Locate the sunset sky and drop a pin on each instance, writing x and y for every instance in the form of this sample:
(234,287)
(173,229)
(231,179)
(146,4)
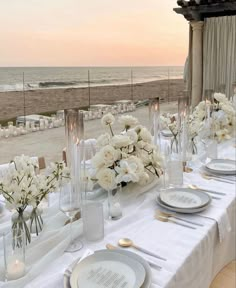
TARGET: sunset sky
(91,33)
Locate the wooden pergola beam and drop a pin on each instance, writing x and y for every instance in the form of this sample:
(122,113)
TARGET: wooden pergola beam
(199,12)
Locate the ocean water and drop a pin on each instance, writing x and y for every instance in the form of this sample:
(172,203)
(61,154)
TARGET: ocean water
(11,78)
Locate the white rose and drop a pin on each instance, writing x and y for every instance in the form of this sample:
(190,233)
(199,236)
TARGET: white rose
(145,135)
(103,140)
(109,155)
(120,141)
(132,135)
(106,178)
(97,160)
(220,97)
(202,106)
(228,109)
(128,121)
(108,119)
(105,157)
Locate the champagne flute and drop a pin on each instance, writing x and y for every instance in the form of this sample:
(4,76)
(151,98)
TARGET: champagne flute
(69,204)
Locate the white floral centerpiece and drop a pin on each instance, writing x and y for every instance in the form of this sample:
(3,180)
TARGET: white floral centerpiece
(22,187)
(222,116)
(129,157)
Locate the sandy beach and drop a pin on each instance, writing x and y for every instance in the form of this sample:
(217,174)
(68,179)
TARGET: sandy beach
(46,100)
(50,143)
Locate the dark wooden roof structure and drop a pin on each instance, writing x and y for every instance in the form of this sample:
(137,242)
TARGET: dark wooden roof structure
(198,10)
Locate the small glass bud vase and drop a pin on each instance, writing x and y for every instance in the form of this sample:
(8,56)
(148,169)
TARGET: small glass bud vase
(114,205)
(19,223)
(36,221)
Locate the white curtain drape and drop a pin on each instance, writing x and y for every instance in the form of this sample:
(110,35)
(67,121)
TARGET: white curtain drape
(219,54)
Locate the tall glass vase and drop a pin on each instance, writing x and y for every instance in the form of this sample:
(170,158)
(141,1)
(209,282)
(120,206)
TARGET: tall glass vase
(154,118)
(36,221)
(19,225)
(74,129)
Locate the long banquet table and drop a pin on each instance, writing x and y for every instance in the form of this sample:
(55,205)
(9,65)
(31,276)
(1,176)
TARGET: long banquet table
(194,257)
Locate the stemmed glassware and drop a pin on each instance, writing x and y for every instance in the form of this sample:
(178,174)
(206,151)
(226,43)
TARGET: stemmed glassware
(183,127)
(69,204)
(70,195)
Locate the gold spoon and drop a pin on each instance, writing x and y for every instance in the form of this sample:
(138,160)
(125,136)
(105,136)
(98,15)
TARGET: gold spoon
(195,187)
(167,219)
(126,242)
(165,214)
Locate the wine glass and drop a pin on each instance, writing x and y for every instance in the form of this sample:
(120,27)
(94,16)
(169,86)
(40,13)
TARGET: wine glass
(69,204)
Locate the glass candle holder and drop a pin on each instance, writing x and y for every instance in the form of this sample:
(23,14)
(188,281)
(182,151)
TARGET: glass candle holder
(114,203)
(154,118)
(14,255)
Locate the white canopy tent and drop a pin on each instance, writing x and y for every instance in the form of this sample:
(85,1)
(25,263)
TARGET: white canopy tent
(212,46)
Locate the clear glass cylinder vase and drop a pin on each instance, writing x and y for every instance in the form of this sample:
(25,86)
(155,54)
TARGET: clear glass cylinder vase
(19,223)
(36,221)
(114,203)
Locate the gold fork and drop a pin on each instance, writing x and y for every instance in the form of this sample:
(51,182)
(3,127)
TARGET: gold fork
(167,219)
(165,214)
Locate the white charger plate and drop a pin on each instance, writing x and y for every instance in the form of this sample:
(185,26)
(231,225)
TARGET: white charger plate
(101,267)
(181,210)
(148,279)
(185,198)
(221,166)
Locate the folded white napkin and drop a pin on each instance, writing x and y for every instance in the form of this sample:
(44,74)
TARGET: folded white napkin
(214,212)
(222,220)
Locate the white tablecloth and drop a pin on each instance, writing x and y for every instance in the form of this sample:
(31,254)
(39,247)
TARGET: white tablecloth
(194,257)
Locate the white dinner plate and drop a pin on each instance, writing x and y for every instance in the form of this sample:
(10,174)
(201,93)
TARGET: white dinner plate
(181,210)
(148,278)
(222,166)
(185,198)
(104,269)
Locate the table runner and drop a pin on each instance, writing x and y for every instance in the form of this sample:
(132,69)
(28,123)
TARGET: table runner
(194,256)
